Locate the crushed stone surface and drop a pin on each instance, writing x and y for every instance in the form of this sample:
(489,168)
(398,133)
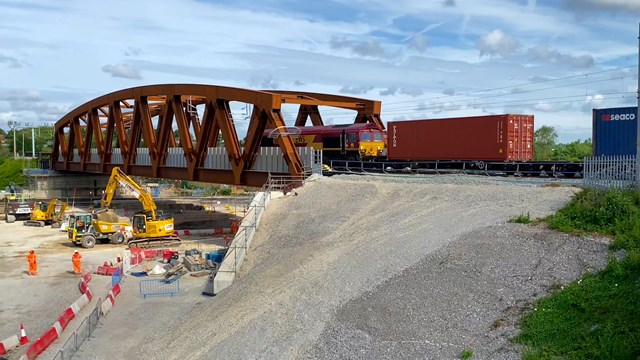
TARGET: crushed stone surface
(368,267)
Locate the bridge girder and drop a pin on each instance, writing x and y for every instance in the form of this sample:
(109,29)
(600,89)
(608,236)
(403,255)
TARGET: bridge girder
(145,117)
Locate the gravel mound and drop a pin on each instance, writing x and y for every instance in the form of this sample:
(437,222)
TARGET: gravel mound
(318,255)
(469,294)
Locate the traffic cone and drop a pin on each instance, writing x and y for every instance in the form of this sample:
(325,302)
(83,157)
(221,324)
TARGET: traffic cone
(23,336)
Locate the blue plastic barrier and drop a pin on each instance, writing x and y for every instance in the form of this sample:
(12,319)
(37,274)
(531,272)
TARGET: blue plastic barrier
(159,287)
(116,277)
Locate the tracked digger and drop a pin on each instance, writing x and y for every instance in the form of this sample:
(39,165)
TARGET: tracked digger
(150,226)
(45,214)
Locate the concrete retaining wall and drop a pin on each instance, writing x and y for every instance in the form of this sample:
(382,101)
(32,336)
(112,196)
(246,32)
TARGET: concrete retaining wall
(241,242)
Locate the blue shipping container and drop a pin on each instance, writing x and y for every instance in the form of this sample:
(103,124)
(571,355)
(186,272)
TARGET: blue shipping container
(615,131)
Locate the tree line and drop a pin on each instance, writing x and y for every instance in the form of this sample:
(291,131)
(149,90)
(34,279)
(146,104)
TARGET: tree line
(547,148)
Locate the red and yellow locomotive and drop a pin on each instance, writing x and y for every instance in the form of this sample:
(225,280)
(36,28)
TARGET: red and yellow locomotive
(347,142)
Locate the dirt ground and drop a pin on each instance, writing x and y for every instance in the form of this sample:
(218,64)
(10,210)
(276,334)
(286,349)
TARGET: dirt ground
(38,301)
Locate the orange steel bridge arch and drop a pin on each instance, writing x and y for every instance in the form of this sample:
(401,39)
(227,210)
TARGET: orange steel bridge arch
(144,117)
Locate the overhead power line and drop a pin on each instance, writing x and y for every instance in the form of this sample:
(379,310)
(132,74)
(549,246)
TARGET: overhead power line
(449,99)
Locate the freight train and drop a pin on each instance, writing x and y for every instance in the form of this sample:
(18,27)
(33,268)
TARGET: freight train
(492,144)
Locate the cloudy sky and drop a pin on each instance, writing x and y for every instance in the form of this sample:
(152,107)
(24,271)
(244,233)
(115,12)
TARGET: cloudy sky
(556,59)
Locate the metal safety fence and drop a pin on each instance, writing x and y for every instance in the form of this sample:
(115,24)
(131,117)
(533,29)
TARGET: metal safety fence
(610,172)
(159,287)
(83,333)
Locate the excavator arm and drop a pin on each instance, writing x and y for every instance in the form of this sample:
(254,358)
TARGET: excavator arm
(120,178)
(63,208)
(51,208)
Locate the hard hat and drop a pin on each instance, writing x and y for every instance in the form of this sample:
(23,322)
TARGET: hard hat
(76,251)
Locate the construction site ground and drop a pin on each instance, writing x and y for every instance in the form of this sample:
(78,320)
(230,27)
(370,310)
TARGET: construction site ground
(38,301)
(362,268)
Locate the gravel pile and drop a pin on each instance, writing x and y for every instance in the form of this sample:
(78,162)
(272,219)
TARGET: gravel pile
(347,241)
(469,294)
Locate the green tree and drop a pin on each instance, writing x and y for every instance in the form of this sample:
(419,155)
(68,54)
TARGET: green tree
(574,151)
(43,140)
(544,142)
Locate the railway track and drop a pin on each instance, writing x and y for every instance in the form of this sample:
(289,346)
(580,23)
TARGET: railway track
(556,170)
(493,179)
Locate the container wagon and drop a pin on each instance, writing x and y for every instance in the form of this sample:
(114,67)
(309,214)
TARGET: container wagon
(486,138)
(494,144)
(615,131)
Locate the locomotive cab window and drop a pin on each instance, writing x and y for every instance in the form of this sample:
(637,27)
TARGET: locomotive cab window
(365,136)
(377,136)
(352,138)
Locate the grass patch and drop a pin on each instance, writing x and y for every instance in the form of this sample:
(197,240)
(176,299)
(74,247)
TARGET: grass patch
(614,213)
(466,354)
(521,219)
(11,171)
(597,316)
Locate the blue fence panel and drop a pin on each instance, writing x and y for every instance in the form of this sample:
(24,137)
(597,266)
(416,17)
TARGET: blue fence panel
(116,277)
(159,287)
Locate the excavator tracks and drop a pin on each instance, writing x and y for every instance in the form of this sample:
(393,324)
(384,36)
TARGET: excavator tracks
(34,223)
(148,243)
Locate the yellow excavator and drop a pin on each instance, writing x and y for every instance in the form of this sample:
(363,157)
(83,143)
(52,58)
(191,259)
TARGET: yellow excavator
(149,225)
(45,214)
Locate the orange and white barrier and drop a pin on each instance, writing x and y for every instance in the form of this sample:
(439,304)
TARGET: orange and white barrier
(110,301)
(51,335)
(9,343)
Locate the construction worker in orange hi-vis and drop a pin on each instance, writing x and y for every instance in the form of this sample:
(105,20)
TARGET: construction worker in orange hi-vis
(33,265)
(76,259)
(234,227)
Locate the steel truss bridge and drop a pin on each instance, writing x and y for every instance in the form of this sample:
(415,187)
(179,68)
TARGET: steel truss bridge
(136,129)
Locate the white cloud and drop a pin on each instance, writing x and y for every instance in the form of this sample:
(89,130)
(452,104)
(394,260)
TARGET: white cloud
(369,47)
(264,83)
(551,107)
(411,91)
(592,102)
(546,53)
(122,70)
(12,62)
(419,42)
(449,3)
(497,43)
(355,90)
(604,5)
(132,51)
(389,91)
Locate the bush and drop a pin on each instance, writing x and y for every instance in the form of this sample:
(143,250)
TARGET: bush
(614,213)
